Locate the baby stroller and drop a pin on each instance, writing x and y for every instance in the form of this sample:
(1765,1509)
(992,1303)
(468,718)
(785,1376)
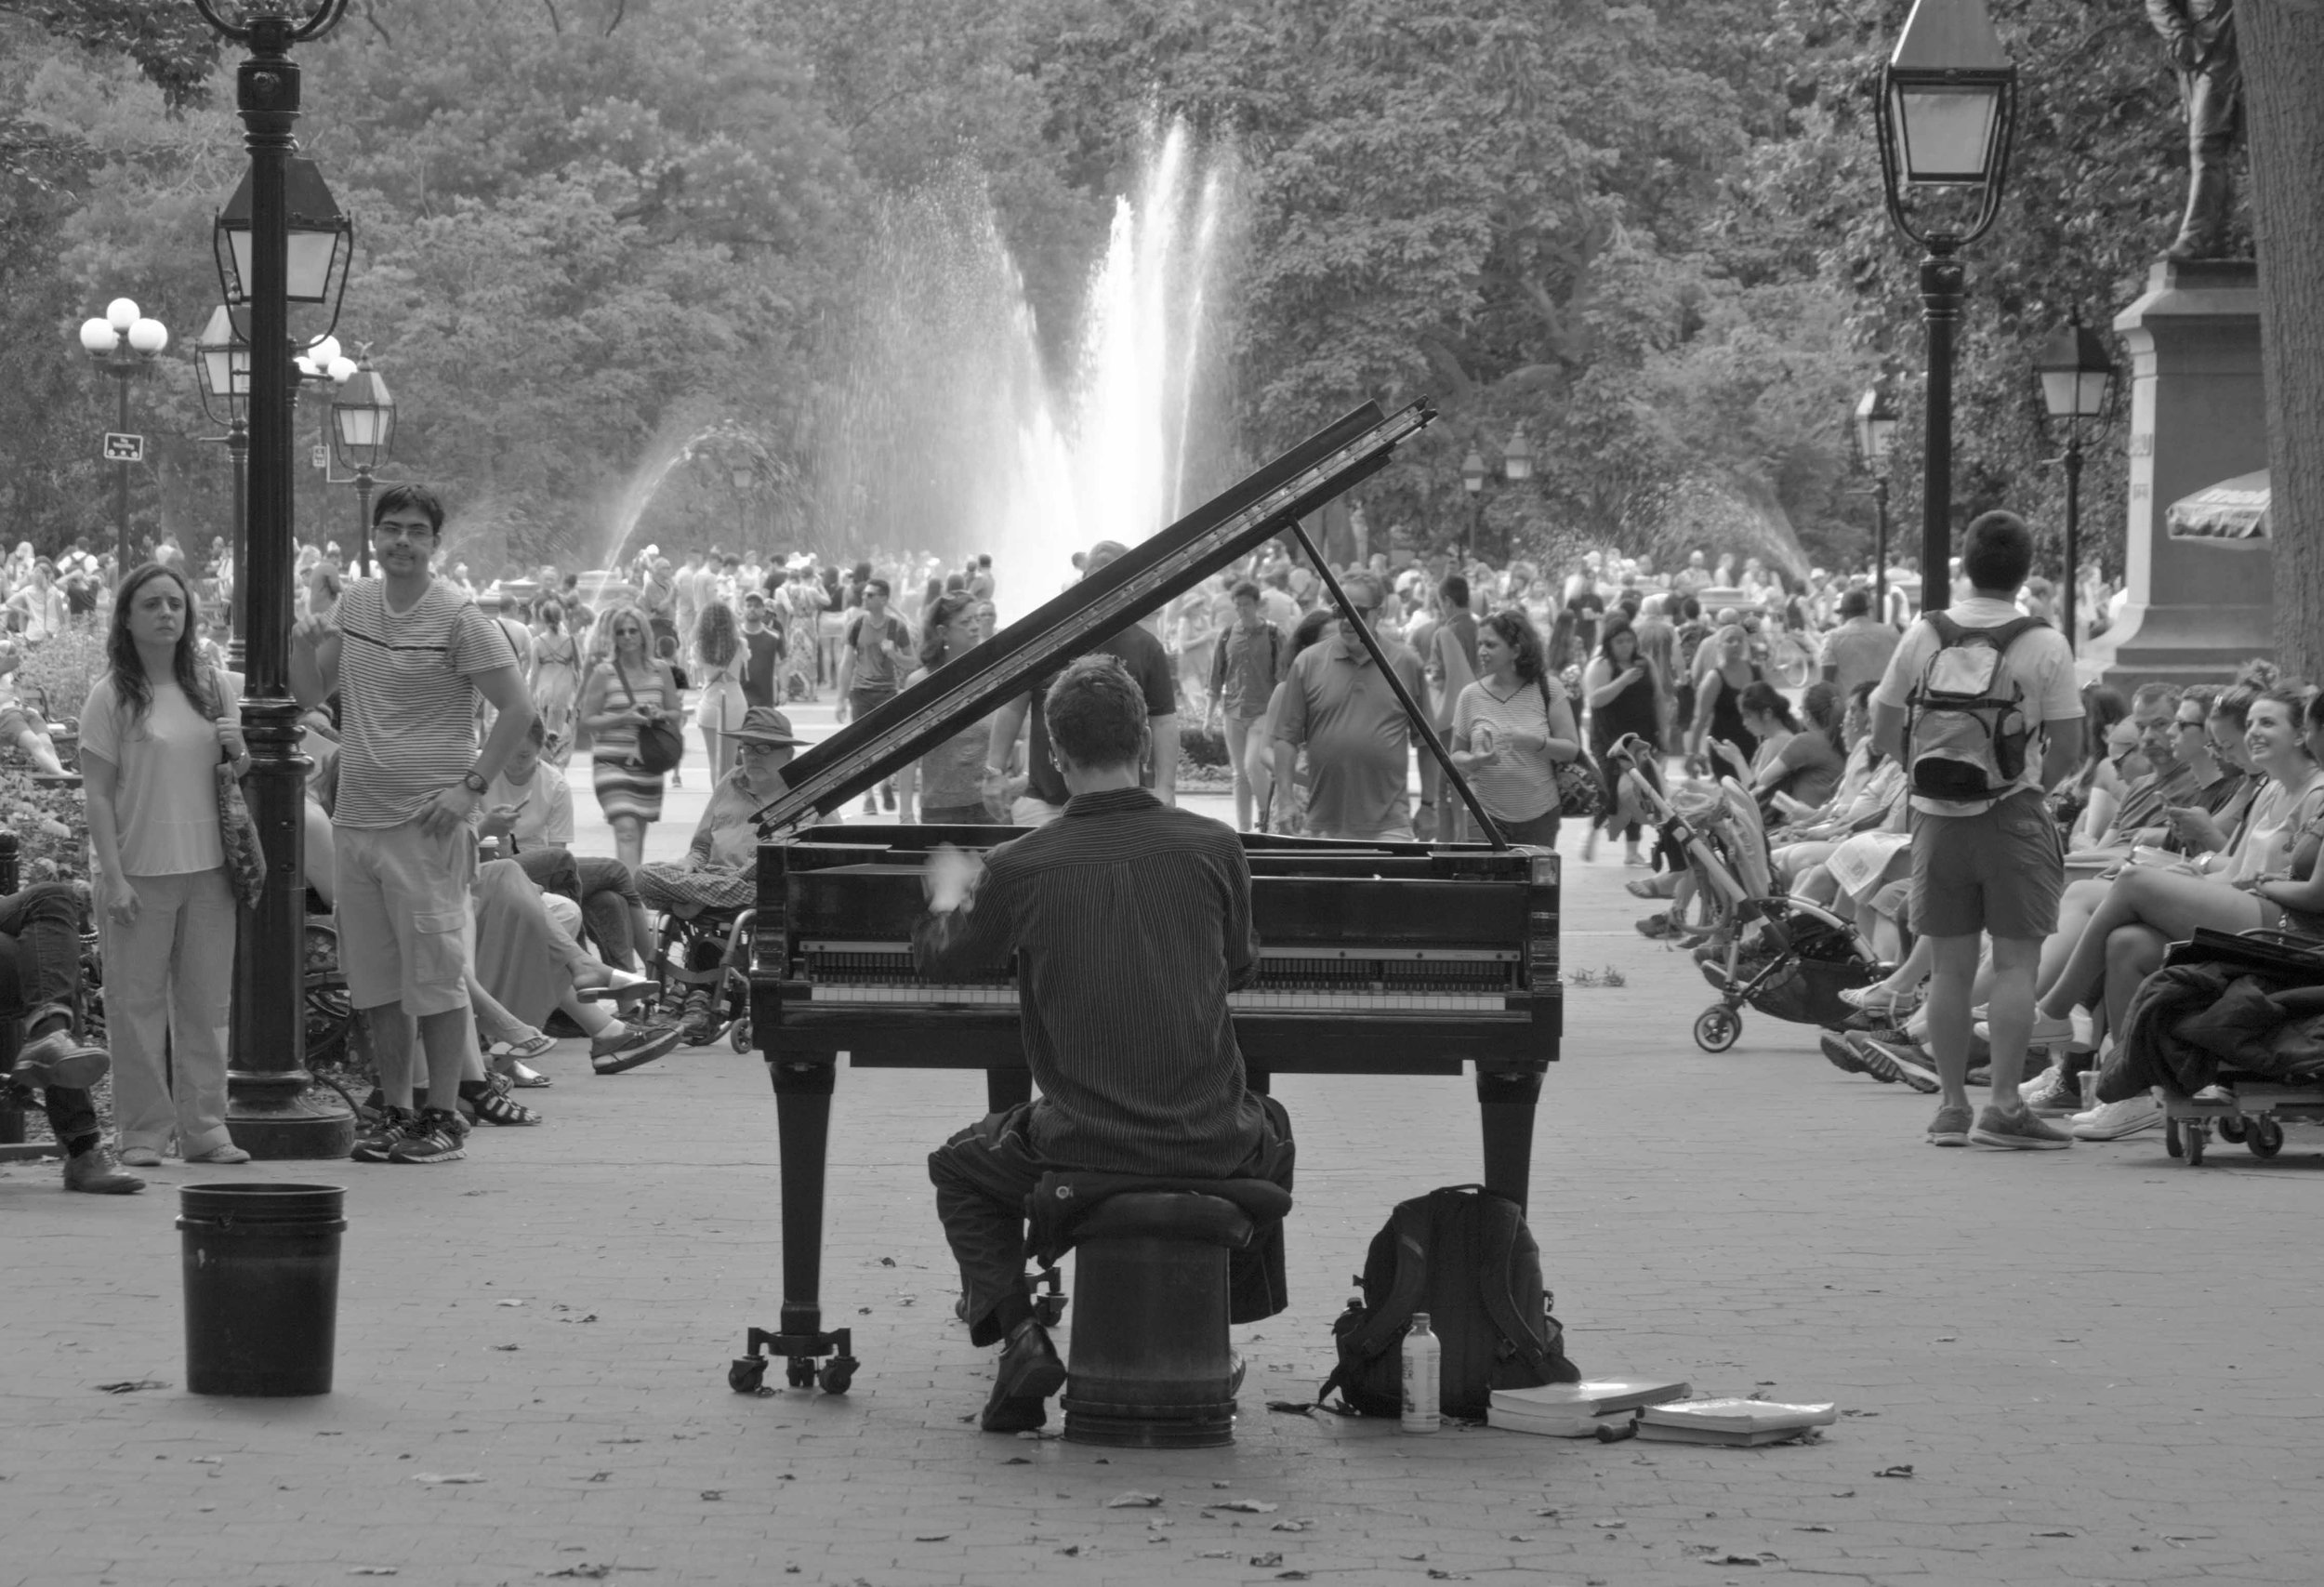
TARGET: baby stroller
(1789,959)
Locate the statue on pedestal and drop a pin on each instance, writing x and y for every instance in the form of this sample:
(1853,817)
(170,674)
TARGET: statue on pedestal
(2201,37)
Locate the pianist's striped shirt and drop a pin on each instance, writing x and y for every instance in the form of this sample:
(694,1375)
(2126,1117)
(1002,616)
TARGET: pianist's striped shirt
(1127,922)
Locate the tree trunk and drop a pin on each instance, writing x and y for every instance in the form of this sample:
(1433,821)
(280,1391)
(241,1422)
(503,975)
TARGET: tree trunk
(2282,47)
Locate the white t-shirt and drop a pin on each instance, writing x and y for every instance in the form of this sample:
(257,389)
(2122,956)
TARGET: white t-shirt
(1516,785)
(544,808)
(164,793)
(2041,663)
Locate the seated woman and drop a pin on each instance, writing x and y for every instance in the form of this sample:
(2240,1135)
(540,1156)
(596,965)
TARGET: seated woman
(528,964)
(530,807)
(1867,790)
(2150,906)
(720,871)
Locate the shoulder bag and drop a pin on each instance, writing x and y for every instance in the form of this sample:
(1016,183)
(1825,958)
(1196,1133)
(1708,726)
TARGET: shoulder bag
(1579,793)
(237,833)
(660,745)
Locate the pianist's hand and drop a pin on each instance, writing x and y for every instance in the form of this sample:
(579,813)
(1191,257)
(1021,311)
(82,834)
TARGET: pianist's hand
(951,877)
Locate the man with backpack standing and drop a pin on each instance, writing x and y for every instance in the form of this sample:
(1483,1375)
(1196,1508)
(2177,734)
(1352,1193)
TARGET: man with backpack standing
(1979,705)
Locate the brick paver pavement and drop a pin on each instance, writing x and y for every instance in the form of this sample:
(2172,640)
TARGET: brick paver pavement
(2095,1365)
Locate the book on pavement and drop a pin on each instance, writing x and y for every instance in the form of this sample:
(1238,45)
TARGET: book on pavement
(1742,1421)
(1578,1411)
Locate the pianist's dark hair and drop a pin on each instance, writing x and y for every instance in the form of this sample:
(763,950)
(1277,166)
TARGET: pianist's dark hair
(1514,628)
(1096,713)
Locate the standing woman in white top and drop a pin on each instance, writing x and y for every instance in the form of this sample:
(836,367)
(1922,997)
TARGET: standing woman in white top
(719,659)
(152,732)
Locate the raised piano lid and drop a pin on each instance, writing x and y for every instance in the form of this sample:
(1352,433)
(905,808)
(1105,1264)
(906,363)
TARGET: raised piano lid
(1174,561)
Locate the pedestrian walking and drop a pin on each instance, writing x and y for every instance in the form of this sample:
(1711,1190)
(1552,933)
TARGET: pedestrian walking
(719,660)
(626,691)
(1511,729)
(1356,732)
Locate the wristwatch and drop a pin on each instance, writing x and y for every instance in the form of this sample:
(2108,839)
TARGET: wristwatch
(474,782)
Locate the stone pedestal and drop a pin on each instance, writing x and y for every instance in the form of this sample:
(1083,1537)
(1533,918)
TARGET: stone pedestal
(2199,415)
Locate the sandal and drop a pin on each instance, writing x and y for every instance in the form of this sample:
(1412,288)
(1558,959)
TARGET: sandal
(496,1107)
(524,1077)
(1895,1002)
(531,1045)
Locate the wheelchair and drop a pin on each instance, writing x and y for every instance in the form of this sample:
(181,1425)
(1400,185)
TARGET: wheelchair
(707,952)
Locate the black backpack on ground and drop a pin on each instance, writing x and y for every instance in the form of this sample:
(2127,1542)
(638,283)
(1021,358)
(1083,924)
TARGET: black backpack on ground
(1463,1255)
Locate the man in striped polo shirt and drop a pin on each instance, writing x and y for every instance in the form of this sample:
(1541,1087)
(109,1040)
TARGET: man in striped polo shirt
(1128,921)
(408,654)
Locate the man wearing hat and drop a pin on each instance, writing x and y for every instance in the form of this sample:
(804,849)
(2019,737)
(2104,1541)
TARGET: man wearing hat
(720,871)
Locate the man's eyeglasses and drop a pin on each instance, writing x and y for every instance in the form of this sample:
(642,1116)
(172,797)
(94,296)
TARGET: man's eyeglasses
(414,532)
(752,747)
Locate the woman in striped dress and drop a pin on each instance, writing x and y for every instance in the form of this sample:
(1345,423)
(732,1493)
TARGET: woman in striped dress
(625,691)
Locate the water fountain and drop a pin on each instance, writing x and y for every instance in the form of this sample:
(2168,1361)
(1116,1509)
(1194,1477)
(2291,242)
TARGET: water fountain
(957,433)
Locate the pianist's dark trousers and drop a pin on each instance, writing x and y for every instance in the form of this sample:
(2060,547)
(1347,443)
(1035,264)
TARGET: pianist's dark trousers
(982,1176)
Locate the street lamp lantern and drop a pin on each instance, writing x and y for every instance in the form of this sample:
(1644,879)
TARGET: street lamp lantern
(2077,385)
(1472,471)
(321,238)
(2077,376)
(1875,427)
(223,360)
(362,418)
(1517,457)
(1948,108)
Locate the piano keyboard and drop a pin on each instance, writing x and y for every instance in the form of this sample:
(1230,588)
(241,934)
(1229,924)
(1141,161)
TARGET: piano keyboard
(1258,1000)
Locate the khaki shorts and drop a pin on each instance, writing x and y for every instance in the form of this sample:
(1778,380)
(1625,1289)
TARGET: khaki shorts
(403,916)
(2001,872)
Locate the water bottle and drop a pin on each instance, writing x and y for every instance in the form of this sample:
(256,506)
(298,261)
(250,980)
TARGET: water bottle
(1420,1377)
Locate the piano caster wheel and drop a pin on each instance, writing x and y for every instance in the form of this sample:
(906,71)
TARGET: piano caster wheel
(1716,1028)
(834,1379)
(799,1371)
(738,1034)
(1048,1310)
(746,1375)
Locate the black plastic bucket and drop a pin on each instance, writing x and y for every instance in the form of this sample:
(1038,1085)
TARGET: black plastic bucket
(262,1286)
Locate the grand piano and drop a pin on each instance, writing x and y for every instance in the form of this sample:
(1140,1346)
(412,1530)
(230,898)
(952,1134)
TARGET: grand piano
(1403,959)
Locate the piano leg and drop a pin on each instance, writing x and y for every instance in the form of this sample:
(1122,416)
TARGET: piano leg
(802,1107)
(1505,1105)
(1257,1079)
(1004,1088)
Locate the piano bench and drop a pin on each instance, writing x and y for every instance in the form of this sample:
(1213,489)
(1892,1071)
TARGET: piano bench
(1149,1366)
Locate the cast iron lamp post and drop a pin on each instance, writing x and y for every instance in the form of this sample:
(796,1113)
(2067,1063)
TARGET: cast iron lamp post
(1876,430)
(1949,104)
(124,343)
(1516,468)
(280,239)
(2077,380)
(222,361)
(743,480)
(1472,480)
(363,428)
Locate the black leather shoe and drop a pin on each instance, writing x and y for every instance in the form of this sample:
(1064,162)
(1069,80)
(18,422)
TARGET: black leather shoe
(1029,1372)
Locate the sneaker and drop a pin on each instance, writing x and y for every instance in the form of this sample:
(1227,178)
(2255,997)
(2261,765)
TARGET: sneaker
(1841,1055)
(1029,1372)
(1898,1061)
(434,1137)
(95,1172)
(1949,1128)
(58,1060)
(2112,1120)
(228,1152)
(2047,1032)
(377,1139)
(2018,1131)
(2051,1093)
(700,1025)
(634,1045)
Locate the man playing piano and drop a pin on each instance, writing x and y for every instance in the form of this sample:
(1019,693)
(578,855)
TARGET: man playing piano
(1128,921)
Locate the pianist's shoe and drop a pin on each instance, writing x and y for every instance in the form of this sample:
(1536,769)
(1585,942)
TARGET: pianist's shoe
(1029,1372)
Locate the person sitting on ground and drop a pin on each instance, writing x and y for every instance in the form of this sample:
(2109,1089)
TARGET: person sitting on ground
(529,964)
(1801,764)
(1129,923)
(24,728)
(40,984)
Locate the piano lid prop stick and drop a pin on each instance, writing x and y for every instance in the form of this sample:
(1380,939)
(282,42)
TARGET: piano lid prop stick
(1420,725)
